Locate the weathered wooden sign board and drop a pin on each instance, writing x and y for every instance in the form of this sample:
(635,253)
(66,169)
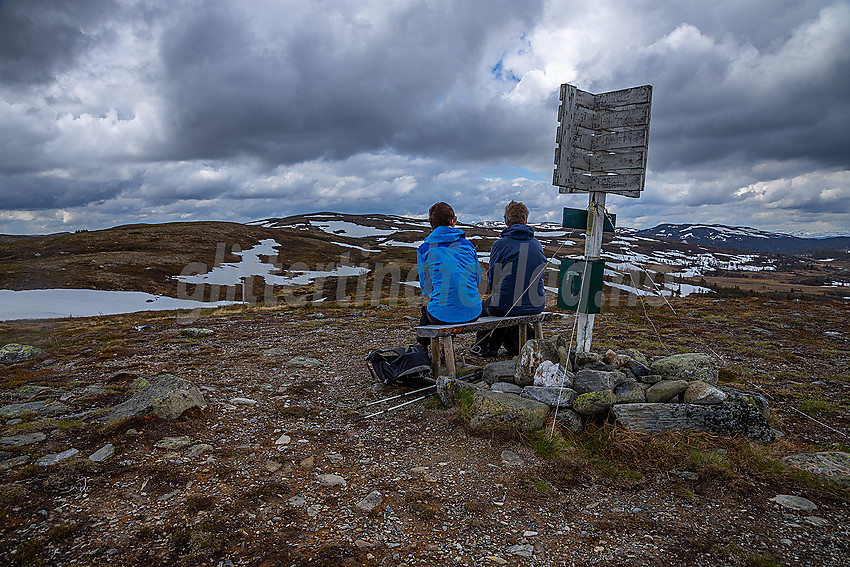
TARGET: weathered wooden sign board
(602,144)
(602,141)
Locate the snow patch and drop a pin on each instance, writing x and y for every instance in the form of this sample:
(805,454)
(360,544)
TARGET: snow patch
(56,303)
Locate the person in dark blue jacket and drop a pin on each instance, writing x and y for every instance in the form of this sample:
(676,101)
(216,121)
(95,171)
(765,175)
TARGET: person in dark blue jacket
(515,278)
(449,272)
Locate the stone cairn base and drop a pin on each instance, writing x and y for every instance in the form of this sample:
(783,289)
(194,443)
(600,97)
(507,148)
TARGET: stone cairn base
(673,393)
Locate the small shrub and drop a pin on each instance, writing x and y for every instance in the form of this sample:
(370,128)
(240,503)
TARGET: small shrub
(11,494)
(754,559)
(544,444)
(196,502)
(69,425)
(28,552)
(466,402)
(62,531)
(819,406)
(147,532)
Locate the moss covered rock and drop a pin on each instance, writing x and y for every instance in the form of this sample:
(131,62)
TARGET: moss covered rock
(593,403)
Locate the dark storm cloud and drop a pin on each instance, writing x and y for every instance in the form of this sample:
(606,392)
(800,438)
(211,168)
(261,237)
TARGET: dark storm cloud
(333,86)
(41,38)
(722,99)
(21,192)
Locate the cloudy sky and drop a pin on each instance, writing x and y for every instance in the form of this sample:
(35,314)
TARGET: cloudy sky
(122,111)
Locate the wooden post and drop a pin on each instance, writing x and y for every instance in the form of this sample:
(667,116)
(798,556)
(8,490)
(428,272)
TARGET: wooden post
(449,344)
(434,347)
(592,251)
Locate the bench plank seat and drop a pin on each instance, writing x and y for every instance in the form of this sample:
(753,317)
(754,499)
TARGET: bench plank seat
(446,333)
(480,324)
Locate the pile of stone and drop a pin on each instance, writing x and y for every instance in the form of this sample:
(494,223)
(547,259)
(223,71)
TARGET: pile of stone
(672,393)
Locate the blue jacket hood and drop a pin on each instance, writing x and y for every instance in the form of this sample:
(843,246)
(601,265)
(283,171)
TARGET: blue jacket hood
(444,234)
(519,232)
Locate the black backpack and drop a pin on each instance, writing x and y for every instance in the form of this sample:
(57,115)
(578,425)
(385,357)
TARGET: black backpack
(399,366)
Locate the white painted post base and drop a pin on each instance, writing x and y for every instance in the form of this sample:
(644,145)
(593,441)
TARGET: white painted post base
(592,251)
(585,332)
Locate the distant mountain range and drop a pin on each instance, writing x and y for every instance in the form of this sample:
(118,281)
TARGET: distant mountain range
(745,239)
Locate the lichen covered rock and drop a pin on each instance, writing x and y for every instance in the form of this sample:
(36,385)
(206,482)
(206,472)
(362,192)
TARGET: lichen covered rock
(570,420)
(14,352)
(630,393)
(724,419)
(690,366)
(495,410)
(167,397)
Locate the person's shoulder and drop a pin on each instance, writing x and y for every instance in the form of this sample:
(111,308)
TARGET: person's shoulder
(464,242)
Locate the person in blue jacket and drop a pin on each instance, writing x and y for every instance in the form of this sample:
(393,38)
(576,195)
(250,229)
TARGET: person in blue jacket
(515,278)
(449,272)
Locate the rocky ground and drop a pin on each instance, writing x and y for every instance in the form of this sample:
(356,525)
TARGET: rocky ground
(276,469)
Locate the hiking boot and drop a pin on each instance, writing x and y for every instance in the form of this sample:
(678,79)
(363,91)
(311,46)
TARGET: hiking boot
(478,350)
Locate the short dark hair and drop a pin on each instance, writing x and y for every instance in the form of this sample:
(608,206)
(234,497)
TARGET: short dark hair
(516,213)
(441,214)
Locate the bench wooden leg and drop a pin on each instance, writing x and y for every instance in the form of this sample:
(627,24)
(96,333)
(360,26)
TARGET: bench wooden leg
(448,343)
(523,335)
(435,357)
(538,329)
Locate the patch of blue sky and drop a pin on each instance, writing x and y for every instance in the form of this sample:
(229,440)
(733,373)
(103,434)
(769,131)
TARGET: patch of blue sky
(498,72)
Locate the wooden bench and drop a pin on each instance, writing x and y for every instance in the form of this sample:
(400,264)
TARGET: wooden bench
(446,334)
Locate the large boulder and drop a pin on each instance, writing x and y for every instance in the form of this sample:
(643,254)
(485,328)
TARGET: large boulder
(14,352)
(502,371)
(726,419)
(495,410)
(552,397)
(597,380)
(167,397)
(702,393)
(507,388)
(665,390)
(532,354)
(630,393)
(690,366)
(830,465)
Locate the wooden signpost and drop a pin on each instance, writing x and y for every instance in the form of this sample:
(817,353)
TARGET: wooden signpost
(602,143)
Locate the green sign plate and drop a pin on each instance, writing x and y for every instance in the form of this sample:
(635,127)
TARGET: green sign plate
(580,285)
(577,218)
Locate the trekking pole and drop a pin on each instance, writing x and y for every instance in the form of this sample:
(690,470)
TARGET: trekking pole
(394,407)
(395,397)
